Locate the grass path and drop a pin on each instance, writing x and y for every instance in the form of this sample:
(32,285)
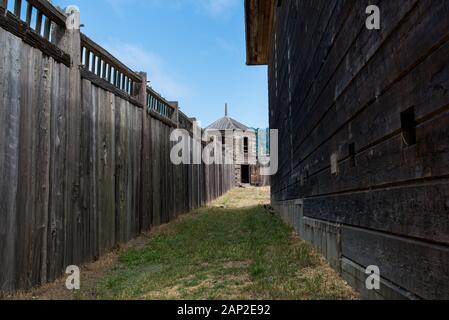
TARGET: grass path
(233,249)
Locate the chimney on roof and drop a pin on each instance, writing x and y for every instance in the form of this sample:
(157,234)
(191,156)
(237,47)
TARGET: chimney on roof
(226,110)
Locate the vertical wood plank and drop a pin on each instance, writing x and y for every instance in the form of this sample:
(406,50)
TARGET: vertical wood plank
(4,4)
(95,160)
(26,194)
(55,240)
(47,28)
(29,13)
(121,169)
(17,7)
(44,161)
(9,162)
(3,114)
(39,17)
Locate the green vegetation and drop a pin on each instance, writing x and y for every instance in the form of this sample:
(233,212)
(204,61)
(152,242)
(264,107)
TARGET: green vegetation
(234,249)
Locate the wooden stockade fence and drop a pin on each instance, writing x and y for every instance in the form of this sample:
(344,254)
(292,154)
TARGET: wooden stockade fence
(84,149)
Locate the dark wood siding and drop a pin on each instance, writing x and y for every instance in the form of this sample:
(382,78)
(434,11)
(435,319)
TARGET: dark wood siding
(340,91)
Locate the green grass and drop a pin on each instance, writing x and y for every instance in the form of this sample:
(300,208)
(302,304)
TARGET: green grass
(234,253)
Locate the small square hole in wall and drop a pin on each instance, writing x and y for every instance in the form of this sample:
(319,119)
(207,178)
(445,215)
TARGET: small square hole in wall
(351,151)
(408,126)
(304,177)
(334,164)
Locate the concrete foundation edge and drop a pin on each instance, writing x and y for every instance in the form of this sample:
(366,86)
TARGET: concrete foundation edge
(325,237)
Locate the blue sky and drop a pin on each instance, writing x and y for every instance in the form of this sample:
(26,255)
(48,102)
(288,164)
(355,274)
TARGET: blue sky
(192,50)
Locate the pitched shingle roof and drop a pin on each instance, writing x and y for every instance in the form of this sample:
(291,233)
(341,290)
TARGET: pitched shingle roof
(227,123)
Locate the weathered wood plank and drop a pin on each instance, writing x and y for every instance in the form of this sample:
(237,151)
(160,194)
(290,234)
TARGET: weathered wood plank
(155,126)
(50,11)
(355,275)
(120,163)
(96,141)
(106,168)
(388,162)
(138,173)
(146,192)
(105,85)
(415,211)
(418,267)
(26,195)
(376,79)
(43,159)
(55,239)
(9,162)
(350,118)
(20,29)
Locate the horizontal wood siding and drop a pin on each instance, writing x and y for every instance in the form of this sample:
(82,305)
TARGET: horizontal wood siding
(341,93)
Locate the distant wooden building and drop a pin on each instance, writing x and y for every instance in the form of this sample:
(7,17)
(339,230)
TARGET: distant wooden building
(363,122)
(243,141)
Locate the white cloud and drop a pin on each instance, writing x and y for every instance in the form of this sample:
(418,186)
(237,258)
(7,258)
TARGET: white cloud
(138,59)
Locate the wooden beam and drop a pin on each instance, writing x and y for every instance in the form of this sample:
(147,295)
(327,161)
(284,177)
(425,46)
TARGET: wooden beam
(50,11)
(20,29)
(92,77)
(106,56)
(259,17)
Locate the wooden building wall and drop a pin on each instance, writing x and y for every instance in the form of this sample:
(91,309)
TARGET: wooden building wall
(363,119)
(240,157)
(84,166)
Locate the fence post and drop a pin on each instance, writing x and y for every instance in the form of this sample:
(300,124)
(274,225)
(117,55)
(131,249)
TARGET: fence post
(3,4)
(140,90)
(175,115)
(68,39)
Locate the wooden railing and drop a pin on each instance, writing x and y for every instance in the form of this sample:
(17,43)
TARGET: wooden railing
(34,22)
(159,105)
(101,66)
(105,66)
(97,63)
(39,15)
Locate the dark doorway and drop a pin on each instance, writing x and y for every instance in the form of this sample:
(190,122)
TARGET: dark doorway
(245,174)
(245,145)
